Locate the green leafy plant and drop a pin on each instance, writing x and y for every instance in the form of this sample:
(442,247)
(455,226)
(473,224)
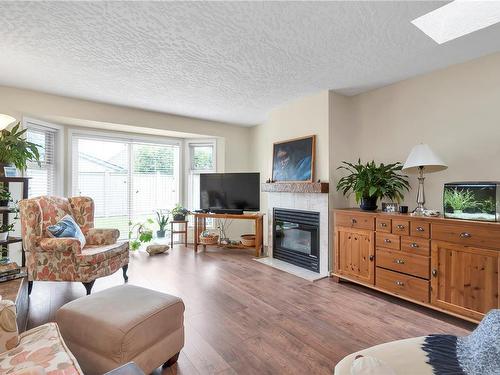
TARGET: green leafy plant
(143,234)
(162,219)
(5,194)
(373,181)
(488,205)
(6,228)
(179,210)
(15,149)
(459,200)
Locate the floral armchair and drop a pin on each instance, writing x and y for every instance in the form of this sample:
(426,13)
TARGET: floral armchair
(63,259)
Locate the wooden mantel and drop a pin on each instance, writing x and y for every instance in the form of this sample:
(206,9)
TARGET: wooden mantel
(295,187)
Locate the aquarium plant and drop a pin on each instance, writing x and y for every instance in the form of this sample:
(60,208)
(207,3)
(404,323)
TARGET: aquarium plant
(370,181)
(459,200)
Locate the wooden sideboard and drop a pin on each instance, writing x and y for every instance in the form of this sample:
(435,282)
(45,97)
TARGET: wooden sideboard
(446,264)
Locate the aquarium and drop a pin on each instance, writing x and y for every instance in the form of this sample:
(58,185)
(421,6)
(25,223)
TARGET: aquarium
(472,200)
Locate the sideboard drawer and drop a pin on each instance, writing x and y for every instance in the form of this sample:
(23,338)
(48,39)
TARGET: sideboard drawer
(389,241)
(404,285)
(463,234)
(415,245)
(401,227)
(420,229)
(399,261)
(383,225)
(355,221)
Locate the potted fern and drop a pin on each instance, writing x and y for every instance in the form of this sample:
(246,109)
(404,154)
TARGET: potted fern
(16,150)
(370,182)
(459,200)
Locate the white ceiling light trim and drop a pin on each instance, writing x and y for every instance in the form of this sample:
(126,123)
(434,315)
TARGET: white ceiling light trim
(458,18)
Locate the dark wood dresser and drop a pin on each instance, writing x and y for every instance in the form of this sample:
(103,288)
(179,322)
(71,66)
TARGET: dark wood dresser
(446,264)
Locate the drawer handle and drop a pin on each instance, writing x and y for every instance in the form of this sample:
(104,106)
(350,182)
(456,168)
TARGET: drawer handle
(372,257)
(414,245)
(354,221)
(400,283)
(401,226)
(383,225)
(434,272)
(399,261)
(465,235)
(387,240)
(420,229)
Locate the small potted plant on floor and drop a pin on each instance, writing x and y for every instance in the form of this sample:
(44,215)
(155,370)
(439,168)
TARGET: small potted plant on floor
(179,213)
(16,150)
(162,221)
(369,182)
(140,233)
(4,231)
(5,197)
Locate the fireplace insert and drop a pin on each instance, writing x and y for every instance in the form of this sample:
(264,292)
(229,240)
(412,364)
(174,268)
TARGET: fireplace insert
(296,237)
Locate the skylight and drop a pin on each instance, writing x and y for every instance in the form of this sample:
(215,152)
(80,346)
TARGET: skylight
(458,18)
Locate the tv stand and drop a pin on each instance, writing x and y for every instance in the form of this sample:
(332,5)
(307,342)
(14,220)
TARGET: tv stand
(200,224)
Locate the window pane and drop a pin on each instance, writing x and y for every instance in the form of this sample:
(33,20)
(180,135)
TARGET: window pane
(202,158)
(101,172)
(43,176)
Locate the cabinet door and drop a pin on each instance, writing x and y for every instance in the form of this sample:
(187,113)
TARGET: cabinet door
(464,279)
(356,255)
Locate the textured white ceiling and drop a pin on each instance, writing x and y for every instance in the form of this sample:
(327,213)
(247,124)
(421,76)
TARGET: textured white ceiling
(227,61)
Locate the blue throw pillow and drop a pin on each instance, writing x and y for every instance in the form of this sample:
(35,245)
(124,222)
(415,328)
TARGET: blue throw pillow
(67,227)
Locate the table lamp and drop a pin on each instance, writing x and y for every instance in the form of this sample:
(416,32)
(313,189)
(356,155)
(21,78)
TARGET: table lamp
(5,120)
(422,159)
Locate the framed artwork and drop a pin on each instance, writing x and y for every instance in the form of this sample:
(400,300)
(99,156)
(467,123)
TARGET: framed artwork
(293,160)
(10,171)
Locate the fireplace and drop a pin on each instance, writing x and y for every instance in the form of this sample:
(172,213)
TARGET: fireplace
(296,237)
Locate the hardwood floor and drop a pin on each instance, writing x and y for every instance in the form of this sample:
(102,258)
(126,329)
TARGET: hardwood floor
(243,317)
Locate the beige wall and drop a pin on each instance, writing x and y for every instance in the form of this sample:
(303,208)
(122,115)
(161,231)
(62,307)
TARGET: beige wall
(455,110)
(76,112)
(303,117)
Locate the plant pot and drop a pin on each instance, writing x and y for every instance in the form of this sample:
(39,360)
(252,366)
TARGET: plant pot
(368,204)
(4,203)
(179,217)
(3,236)
(160,233)
(458,211)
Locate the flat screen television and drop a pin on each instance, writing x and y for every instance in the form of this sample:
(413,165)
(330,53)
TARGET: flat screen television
(230,192)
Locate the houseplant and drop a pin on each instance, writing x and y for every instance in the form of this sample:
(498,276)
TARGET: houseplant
(4,231)
(162,221)
(179,212)
(369,182)
(140,233)
(16,150)
(5,197)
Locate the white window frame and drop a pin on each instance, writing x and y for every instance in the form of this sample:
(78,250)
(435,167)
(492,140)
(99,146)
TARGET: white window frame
(59,159)
(120,136)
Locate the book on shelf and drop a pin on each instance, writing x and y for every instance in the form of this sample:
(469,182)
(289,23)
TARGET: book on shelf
(12,277)
(11,268)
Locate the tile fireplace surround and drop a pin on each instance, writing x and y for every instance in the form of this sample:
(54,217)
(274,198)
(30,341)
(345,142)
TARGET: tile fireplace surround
(316,202)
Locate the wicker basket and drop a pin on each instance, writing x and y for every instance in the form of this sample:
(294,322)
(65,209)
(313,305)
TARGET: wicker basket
(248,240)
(212,239)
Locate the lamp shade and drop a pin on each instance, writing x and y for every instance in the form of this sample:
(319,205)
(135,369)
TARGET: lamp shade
(422,156)
(5,120)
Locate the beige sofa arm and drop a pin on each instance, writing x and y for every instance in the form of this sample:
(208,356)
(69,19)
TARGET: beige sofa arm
(9,335)
(60,244)
(101,237)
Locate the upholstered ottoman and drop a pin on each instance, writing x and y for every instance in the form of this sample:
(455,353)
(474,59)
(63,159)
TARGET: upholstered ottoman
(122,324)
